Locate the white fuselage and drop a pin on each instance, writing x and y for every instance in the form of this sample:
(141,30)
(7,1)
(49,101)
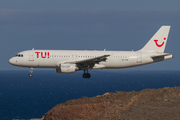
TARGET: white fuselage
(69,61)
(53,58)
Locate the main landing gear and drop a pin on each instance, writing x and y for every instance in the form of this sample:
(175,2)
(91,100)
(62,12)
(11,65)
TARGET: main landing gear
(31,70)
(86,75)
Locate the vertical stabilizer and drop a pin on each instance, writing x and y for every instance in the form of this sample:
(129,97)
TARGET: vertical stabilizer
(158,42)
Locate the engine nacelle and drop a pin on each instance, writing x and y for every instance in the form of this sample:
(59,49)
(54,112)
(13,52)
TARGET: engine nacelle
(66,68)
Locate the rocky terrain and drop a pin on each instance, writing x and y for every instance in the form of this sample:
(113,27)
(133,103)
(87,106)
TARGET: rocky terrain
(148,104)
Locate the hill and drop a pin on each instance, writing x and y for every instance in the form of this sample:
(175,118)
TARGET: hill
(152,104)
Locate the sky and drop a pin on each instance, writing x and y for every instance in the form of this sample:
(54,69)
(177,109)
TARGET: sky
(121,25)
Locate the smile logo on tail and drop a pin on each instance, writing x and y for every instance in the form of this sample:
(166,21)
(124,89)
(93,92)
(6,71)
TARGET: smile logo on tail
(158,44)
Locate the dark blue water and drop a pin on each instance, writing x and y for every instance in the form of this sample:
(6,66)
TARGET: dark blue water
(22,97)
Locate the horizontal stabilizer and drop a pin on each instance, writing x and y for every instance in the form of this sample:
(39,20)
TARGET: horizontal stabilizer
(161,55)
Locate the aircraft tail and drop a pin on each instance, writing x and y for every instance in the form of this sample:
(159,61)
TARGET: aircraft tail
(158,42)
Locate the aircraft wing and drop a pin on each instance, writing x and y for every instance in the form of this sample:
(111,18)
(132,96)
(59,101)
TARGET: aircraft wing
(90,60)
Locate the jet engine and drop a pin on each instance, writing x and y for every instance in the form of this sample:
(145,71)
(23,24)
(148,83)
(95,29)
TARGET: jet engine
(66,68)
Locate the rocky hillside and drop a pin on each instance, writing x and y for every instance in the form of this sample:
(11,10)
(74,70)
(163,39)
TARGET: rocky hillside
(148,104)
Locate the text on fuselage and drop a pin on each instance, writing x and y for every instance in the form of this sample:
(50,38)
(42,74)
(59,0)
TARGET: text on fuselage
(42,54)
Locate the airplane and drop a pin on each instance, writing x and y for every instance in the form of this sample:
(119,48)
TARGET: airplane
(69,61)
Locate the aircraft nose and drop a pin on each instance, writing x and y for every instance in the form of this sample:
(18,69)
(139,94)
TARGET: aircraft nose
(12,61)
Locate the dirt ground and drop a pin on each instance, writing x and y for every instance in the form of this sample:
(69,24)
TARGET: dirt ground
(148,104)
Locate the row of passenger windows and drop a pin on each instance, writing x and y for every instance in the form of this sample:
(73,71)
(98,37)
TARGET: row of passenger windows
(68,56)
(19,55)
(121,57)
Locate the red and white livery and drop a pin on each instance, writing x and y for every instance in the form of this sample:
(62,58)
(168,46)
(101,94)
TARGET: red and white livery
(69,61)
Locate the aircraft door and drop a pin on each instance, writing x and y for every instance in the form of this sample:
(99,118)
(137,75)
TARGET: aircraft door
(31,56)
(139,58)
(74,56)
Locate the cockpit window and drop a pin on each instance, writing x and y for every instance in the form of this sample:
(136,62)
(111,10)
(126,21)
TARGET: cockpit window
(19,55)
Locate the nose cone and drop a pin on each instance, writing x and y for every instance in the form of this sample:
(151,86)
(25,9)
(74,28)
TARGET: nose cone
(16,61)
(12,61)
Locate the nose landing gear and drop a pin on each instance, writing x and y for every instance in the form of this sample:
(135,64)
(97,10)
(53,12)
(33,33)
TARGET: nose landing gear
(31,71)
(86,75)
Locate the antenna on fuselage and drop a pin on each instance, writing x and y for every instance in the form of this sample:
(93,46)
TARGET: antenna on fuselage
(33,49)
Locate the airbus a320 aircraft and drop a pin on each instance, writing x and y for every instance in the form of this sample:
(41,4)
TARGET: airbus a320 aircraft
(69,61)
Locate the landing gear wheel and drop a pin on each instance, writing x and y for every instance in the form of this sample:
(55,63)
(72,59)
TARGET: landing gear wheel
(31,70)
(30,75)
(88,75)
(84,75)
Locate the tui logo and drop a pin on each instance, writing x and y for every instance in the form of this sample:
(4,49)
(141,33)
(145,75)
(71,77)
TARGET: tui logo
(158,44)
(43,54)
